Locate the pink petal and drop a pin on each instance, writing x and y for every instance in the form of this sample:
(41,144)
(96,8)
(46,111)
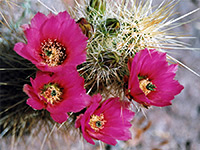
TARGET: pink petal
(50,29)
(70,104)
(33,37)
(20,49)
(86,136)
(25,27)
(38,20)
(31,93)
(29,90)
(60,118)
(121,134)
(173,68)
(95,99)
(41,79)
(62,16)
(36,104)
(78,121)
(105,138)
(74,40)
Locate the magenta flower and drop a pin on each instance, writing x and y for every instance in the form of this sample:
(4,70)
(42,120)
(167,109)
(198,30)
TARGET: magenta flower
(54,42)
(61,93)
(108,121)
(151,80)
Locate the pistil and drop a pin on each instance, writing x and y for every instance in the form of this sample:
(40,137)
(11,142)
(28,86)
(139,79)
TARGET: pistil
(97,122)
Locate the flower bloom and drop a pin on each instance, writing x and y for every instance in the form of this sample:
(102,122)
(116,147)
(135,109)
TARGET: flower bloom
(60,93)
(53,42)
(108,121)
(151,80)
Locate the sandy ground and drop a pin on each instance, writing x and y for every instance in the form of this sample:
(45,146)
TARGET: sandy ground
(175,127)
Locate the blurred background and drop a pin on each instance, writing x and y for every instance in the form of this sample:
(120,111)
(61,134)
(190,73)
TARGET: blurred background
(176,127)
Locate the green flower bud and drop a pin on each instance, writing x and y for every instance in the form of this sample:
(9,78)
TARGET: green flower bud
(108,59)
(112,25)
(98,5)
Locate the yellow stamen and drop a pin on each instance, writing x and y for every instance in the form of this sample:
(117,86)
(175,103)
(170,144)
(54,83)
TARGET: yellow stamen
(143,86)
(52,93)
(97,122)
(53,52)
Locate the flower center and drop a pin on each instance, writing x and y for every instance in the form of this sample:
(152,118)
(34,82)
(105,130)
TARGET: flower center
(52,92)
(53,52)
(97,122)
(146,86)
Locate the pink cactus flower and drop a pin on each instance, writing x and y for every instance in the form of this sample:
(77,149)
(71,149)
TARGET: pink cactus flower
(108,121)
(151,80)
(59,94)
(53,42)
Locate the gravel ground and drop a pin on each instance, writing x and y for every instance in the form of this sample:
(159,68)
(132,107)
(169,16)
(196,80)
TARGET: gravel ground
(176,127)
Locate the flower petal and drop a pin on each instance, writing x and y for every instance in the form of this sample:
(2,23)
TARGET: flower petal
(21,49)
(38,20)
(105,138)
(60,118)
(35,103)
(50,29)
(78,121)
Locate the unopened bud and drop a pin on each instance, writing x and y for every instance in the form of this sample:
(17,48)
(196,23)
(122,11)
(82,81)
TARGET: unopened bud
(112,25)
(99,5)
(86,27)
